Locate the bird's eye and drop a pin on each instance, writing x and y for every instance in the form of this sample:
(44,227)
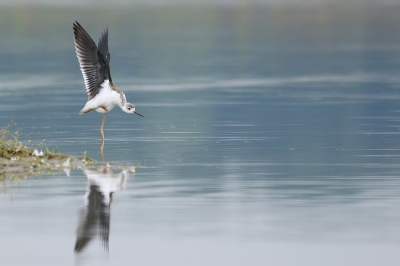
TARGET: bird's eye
(129,108)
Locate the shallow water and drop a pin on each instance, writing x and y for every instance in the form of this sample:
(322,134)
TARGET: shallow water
(249,152)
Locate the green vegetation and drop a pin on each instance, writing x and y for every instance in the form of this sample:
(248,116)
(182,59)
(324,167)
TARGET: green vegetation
(19,161)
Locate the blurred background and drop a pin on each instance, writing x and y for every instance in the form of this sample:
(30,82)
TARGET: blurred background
(270,131)
(192,39)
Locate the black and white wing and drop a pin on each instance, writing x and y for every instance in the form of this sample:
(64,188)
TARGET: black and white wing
(93,60)
(94,220)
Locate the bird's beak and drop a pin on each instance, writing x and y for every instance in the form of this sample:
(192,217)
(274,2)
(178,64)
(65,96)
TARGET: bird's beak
(138,114)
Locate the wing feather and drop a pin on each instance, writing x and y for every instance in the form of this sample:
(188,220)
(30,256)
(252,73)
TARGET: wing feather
(93,60)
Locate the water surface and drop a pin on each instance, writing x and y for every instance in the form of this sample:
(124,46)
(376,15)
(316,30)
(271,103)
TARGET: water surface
(260,144)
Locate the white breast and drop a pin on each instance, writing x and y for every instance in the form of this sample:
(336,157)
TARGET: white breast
(107,98)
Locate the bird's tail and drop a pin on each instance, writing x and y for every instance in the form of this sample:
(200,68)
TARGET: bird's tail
(85,110)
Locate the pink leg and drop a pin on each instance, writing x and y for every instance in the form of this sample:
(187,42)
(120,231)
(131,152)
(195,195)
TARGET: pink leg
(102,135)
(102,152)
(102,126)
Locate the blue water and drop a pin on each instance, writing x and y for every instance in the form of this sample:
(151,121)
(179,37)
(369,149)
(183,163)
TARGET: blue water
(261,142)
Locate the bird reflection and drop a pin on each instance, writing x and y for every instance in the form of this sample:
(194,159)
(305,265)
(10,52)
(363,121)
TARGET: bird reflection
(95,216)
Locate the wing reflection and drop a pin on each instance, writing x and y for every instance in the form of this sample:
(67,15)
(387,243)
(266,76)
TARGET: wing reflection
(95,216)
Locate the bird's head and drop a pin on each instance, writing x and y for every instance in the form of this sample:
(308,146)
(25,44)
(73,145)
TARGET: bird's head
(130,109)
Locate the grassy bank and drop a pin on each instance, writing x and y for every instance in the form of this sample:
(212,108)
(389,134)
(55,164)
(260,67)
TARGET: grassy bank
(19,160)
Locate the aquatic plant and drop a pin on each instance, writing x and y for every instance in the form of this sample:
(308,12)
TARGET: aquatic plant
(18,160)
(10,146)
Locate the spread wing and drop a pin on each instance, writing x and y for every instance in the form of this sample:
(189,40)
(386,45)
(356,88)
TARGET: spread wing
(95,219)
(93,60)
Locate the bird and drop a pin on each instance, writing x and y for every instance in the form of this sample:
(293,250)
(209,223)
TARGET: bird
(94,62)
(94,219)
